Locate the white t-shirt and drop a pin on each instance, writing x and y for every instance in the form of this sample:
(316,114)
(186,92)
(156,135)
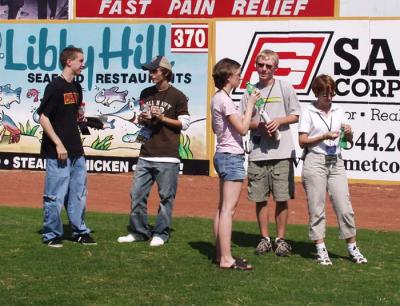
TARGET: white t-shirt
(315,122)
(228,139)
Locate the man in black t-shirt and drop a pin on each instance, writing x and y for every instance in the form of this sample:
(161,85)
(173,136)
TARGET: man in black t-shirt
(159,155)
(65,182)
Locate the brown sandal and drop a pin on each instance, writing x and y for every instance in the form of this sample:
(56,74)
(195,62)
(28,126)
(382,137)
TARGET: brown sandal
(239,265)
(243,260)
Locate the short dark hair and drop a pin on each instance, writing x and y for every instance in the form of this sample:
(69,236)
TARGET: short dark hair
(69,53)
(222,70)
(323,84)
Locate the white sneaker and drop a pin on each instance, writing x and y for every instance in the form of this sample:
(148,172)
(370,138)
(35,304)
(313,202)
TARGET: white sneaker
(357,257)
(156,241)
(323,258)
(127,238)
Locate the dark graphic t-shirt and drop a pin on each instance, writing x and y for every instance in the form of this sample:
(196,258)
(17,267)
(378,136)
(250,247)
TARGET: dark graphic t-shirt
(164,141)
(60,104)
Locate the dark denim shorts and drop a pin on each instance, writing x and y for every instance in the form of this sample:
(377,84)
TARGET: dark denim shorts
(230,167)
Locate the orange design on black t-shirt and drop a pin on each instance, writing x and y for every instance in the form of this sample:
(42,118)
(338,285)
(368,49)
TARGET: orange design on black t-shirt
(70,98)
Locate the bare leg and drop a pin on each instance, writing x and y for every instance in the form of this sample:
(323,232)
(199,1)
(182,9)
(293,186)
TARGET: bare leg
(216,221)
(262,218)
(281,218)
(231,193)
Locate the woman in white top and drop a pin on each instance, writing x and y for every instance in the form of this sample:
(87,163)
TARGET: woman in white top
(320,126)
(229,126)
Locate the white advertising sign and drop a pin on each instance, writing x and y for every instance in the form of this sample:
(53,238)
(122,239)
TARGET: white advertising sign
(364,59)
(369,8)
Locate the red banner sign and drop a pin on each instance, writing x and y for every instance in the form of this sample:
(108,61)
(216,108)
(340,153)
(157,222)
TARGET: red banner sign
(203,8)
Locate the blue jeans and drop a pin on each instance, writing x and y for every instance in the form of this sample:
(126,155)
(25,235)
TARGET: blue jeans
(230,167)
(166,176)
(65,185)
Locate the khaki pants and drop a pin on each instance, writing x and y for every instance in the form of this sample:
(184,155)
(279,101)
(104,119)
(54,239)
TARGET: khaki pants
(318,178)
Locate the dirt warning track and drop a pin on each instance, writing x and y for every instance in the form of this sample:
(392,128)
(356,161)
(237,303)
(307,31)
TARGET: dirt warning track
(376,206)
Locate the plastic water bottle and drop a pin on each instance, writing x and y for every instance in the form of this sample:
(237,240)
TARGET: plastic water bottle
(144,135)
(145,132)
(250,89)
(342,139)
(264,115)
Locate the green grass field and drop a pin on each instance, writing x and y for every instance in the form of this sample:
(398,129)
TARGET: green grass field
(182,273)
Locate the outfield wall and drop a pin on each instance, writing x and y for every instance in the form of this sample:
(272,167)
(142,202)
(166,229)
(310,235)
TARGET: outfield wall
(354,41)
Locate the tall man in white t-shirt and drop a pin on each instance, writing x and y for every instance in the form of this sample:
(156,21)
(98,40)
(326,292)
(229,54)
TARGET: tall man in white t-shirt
(271,160)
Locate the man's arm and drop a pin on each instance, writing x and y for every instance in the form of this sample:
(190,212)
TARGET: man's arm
(44,121)
(274,124)
(173,123)
(183,120)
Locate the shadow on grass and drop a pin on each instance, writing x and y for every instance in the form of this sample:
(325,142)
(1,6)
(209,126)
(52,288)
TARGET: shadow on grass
(243,239)
(205,248)
(129,229)
(305,249)
(67,232)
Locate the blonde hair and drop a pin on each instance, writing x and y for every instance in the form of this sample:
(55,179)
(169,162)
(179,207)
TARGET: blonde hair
(267,53)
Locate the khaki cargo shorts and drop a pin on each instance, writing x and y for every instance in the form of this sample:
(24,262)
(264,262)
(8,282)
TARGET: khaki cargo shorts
(270,176)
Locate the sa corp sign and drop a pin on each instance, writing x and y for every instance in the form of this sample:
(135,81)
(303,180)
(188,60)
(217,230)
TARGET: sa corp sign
(300,56)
